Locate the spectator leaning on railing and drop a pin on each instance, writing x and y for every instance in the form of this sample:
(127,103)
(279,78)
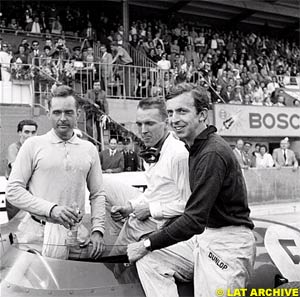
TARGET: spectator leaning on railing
(284,157)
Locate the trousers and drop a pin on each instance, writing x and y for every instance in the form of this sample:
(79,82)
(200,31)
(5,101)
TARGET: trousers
(220,259)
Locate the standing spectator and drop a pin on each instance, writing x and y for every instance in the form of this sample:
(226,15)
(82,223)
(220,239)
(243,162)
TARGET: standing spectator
(239,153)
(35,26)
(106,66)
(56,26)
(97,98)
(25,129)
(50,175)
(283,156)
(44,22)
(5,60)
(90,34)
(131,159)
(264,159)
(112,160)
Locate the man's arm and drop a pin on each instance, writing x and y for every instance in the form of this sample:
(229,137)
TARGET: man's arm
(275,158)
(21,173)
(97,194)
(180,175)
(199,205)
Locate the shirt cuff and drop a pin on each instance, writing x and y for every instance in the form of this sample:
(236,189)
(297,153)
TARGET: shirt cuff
(101,230)
(156,210)
(137,201)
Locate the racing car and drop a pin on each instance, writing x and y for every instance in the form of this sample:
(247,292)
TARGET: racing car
(25,272)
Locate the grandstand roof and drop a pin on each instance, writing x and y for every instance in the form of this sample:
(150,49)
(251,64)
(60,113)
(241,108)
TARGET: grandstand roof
(279,14)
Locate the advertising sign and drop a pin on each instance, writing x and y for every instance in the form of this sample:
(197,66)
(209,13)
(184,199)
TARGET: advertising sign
(255,121)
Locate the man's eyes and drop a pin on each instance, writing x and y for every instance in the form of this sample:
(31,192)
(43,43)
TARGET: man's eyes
(58,112)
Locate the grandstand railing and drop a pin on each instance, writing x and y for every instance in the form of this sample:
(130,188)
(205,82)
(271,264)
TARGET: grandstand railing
(67,34)
(138,58)
(118,81)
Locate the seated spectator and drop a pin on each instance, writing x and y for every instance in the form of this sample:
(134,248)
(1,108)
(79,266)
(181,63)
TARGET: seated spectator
(264,159)
(267,101)
(21,56)
(280,100)
(153,56)
(226,94)
(112,160)
(247,99)
(273,85)
(283,156)
(13,24)
(164,64)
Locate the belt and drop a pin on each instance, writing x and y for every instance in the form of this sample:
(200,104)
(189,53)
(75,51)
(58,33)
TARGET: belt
(42,222)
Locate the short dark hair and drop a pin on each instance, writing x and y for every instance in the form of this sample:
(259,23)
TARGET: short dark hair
(199,95)
(151,103)
(64,91)
(24,123)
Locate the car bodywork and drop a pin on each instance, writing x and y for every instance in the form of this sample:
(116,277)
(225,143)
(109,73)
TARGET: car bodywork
(26,273)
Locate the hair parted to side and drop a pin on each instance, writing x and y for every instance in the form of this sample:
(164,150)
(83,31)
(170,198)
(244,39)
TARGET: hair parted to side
(155,102)
(63,91)
(199,95)
(24,123)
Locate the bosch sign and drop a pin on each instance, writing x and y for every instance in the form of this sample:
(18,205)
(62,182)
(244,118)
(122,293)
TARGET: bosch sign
(241,120)
(270,121)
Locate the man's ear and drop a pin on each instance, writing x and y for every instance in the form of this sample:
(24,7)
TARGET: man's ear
(78,113)
(203,114)
(48,113)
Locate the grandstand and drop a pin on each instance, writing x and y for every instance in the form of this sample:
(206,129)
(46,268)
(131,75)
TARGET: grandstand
(245,53)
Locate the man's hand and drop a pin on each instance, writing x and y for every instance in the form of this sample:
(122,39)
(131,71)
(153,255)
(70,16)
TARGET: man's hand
(98,244)
(97,241)
(136,251)
(142,211)
(108,171)
(295,168)
(118,213)
(64,215)
(278,166)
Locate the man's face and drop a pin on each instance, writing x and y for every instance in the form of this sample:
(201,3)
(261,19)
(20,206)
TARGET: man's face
(27,131)
(284,145)
(240,144)
(247,147)
(151,126)
(113,144)
(97,87)
(63,115)
(183,117)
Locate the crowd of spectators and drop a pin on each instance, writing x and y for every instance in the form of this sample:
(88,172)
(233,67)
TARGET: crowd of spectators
(235,67)
(242,68)
(260,157)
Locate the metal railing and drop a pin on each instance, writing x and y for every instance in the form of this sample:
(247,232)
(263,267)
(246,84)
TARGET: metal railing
(138,58)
